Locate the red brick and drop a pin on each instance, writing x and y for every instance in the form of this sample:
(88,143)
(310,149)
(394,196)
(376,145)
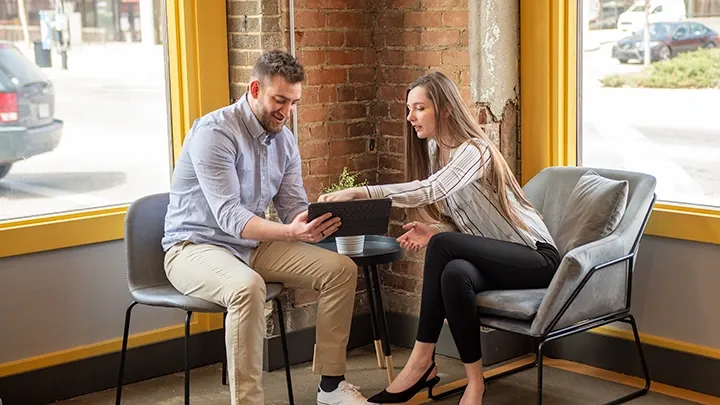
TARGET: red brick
(310,95)
(363,162)
(370,56)
(455,19)
(390,20)
(405,38)
(397,110)
(311,58)
(389,178)
(379,109)
(363,128)
(316,131)
(394,128)
(348,147)
(318,166)
(347,4)
(395,144)
(456,58)
(412,4)
(365,93)
(314,150)
(345,57)
(326,76)
(483,115)
(309,19)
(337,130)
(424,58)
(440,38)
(391,162)
(399,75)
(312,113)
(327,94)
(358,39)
(391,57)
(347,111)
(311,38)
(314,184)
(348,19)
(410,269)
(336,38)
(346,94)
(440,3)
(423,19)
(362,75)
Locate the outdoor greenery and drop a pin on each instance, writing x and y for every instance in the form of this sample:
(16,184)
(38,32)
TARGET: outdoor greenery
(692,70)
(345,181)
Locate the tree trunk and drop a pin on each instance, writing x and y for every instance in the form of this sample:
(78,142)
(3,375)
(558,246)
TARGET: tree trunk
(24,22)
(646,34)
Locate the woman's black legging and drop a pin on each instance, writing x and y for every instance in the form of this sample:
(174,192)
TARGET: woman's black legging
(458,266)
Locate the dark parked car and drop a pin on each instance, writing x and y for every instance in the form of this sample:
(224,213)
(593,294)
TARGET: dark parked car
(667,39)
(27,108)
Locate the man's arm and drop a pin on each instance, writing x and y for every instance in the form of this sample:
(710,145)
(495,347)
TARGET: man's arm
(291,198)
(213,155)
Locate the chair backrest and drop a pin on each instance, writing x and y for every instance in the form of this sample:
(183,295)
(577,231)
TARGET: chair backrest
(144,230)
(550,189)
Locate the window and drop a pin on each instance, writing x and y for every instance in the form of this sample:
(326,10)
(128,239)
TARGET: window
(94,134)
(110,153)
(658,119)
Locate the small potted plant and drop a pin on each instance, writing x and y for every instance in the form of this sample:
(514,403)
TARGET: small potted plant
(347,245)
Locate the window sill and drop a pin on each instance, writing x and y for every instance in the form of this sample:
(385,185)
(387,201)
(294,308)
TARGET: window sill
(685,222)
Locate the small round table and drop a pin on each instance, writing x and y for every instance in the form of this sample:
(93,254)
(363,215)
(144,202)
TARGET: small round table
(378,250)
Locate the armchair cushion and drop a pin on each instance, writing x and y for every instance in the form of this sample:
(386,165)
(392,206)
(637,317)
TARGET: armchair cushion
(516,304)
(593,211)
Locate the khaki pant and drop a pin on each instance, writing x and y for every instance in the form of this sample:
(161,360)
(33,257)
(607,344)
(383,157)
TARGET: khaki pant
(214,274)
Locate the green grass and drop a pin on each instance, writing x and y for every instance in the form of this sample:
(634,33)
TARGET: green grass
(692,70)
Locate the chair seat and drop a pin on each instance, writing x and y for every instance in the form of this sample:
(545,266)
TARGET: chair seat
(516,304)
(167,296)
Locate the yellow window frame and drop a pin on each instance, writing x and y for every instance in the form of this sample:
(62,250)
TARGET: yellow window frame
(199,83)
(548,99)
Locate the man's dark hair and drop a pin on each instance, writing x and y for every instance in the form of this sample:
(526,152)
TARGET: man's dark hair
(279,63)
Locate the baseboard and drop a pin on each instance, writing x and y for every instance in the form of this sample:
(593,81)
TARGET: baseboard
(679,369)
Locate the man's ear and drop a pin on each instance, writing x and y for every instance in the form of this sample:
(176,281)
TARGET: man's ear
(255,89)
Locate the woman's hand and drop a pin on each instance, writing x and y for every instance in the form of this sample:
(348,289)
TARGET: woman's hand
(417,236)
(354,193)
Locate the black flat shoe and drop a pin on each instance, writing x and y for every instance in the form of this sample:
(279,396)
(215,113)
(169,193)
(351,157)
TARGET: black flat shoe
(399,397)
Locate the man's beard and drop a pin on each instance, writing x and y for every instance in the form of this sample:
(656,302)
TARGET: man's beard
(268,122)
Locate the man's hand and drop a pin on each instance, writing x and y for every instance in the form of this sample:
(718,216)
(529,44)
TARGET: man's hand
(354,193)
(417,236)
(315,230)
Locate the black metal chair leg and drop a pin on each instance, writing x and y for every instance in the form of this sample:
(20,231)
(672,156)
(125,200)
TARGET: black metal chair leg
(188,316)
(636,394)
(373,316)
(224,364)
(539,372)
(283,340)
(123,352)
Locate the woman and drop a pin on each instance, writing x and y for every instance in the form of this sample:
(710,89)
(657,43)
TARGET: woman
(480,231)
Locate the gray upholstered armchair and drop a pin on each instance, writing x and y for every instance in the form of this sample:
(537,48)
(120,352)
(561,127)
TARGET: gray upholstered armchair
(593,284)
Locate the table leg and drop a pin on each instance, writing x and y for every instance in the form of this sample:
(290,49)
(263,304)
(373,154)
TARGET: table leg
(383,324)
(373,315)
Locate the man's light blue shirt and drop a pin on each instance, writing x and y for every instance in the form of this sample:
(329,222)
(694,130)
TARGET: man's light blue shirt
(228,171)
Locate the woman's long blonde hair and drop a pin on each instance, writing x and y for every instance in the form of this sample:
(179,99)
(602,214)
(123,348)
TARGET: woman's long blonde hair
(455,126)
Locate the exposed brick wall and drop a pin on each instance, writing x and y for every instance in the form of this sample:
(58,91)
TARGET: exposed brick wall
(360,55)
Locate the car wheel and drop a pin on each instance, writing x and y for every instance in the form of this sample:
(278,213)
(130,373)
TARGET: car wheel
(664,53)
(5,169)
(623,61)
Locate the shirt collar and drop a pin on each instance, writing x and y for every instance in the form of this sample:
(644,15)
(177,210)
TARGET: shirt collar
(252,123)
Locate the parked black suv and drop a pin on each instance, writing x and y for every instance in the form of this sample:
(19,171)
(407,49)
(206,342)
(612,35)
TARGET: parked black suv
(27,109)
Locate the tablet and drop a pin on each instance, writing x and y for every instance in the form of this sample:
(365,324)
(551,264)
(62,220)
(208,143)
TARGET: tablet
(359,217)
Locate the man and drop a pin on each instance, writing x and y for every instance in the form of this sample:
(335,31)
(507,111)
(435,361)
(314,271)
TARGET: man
(220,248)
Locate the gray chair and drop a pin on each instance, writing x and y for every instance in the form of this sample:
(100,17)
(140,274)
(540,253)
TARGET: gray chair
(593,284)
(148,284)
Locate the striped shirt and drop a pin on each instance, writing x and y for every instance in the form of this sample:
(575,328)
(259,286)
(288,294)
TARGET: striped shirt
(461,195)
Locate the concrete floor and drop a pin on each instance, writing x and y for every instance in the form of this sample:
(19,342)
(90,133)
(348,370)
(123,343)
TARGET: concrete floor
(561,387)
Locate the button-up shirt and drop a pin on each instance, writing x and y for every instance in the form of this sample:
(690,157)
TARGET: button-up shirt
(228,171)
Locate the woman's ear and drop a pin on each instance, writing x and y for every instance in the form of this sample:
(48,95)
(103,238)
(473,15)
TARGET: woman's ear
(448,112)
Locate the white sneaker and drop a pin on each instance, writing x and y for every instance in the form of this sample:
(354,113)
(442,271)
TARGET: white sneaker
(344,394)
